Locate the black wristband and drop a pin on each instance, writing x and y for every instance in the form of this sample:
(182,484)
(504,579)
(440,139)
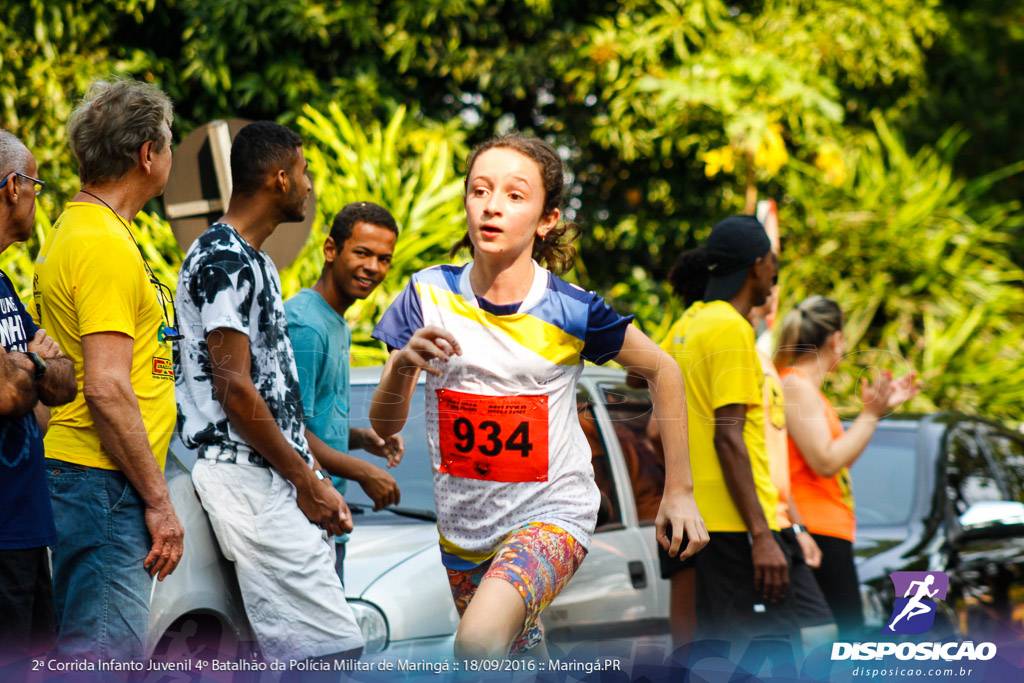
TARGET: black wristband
(38,362)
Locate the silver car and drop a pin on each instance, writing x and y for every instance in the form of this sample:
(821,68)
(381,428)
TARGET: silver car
(394,579)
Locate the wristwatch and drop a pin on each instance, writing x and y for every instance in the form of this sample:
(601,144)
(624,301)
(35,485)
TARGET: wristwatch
(38,362)
(319,474)
(797,529)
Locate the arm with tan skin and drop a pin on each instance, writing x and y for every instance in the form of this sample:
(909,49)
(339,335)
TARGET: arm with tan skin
(58,385)
(812,553)
(391,448)
(107,358)
(771,573)
(42,413)
(654,434)
(17,384)
(678,509)
(230,365)
(807,426)
(390,406)
(380,486)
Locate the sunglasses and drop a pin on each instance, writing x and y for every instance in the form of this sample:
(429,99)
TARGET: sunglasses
(39,184)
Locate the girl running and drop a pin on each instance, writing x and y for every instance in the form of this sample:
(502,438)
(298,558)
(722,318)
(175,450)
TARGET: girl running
(503,341)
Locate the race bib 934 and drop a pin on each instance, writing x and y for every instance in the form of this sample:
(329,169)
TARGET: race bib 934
(493,438)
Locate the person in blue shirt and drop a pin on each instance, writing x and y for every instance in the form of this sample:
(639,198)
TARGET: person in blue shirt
(33,374)
(357,256)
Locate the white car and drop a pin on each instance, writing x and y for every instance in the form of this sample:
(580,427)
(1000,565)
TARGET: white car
(394,579)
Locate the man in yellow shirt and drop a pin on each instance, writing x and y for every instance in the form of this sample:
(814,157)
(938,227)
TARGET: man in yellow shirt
(105,450)
(742,582)
(689,278)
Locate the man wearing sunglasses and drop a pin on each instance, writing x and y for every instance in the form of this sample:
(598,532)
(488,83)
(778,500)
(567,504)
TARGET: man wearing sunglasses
(32,373)
(94,292)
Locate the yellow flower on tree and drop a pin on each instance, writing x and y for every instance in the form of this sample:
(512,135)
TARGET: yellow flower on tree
(771,152)
(830,161)
(718,160)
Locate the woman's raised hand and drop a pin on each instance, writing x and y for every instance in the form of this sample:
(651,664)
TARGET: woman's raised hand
(886,394)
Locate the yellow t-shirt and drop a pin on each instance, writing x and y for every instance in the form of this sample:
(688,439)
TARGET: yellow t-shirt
(90,278)
(714,346)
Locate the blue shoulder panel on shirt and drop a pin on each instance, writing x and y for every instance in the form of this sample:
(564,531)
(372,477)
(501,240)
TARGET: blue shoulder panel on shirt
(565,306)
(441,276)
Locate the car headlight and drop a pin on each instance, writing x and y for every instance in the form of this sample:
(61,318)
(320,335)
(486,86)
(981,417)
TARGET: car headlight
(373,625)
(874,610)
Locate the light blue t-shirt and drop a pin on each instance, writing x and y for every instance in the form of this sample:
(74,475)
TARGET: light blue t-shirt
(321,339)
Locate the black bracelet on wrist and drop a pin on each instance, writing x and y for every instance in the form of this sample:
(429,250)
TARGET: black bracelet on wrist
(38,362)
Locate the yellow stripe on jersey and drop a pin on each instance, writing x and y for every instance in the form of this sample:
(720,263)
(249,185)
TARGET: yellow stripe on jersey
(462,553)
(549,341)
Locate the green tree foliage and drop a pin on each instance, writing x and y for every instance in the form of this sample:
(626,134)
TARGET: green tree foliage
(50,53)
(974,72)
(670,113)
(918,261)
(716,89)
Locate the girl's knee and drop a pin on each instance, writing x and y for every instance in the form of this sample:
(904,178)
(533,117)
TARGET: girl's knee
(482,641)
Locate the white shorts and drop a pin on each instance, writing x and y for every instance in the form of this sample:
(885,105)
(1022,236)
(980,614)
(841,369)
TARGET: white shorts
(285,565)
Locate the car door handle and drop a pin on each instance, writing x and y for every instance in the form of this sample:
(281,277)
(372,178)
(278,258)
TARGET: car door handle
(637,574)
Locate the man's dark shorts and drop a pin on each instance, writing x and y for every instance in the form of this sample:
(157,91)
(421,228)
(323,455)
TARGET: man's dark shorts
(670,565)
(728,607)
(811,608)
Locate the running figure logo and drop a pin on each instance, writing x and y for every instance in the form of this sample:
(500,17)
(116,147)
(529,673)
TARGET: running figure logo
(915,611)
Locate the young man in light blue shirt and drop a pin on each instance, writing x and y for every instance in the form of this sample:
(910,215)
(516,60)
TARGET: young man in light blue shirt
(357,257)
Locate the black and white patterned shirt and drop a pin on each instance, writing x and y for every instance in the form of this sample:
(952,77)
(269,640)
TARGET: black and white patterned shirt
(225,283)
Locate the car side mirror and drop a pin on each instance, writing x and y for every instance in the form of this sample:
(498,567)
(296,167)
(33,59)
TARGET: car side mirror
(993,519)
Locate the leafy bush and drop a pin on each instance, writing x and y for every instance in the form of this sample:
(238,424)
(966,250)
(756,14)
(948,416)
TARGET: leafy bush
(917,258)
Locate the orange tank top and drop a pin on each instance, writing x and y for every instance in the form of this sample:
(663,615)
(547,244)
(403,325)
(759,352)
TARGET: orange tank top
(825,503)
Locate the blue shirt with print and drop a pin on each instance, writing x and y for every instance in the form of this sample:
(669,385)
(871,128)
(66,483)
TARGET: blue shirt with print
(26,518)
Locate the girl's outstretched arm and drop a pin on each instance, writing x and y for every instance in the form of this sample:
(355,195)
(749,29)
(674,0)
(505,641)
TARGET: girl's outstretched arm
(390,406)
(678,513)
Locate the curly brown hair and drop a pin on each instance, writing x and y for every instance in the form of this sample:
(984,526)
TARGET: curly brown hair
(555,251)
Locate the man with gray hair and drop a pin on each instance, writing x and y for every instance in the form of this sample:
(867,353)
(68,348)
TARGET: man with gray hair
(32,372)
(98,297)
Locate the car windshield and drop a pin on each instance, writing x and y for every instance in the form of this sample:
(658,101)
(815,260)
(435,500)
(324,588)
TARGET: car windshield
(885,478)
(413,474)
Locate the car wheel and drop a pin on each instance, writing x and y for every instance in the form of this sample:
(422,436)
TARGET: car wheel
(199,636)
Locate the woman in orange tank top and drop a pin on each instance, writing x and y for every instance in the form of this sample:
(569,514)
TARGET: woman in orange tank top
(811,345)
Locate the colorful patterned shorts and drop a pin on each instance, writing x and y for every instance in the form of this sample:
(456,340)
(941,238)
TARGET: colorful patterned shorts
(538,559)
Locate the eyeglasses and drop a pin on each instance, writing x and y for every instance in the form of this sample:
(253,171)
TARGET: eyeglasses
(169,331)
(39,184)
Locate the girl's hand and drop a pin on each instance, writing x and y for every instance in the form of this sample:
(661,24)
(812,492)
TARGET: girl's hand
(427,344)
(678,520)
